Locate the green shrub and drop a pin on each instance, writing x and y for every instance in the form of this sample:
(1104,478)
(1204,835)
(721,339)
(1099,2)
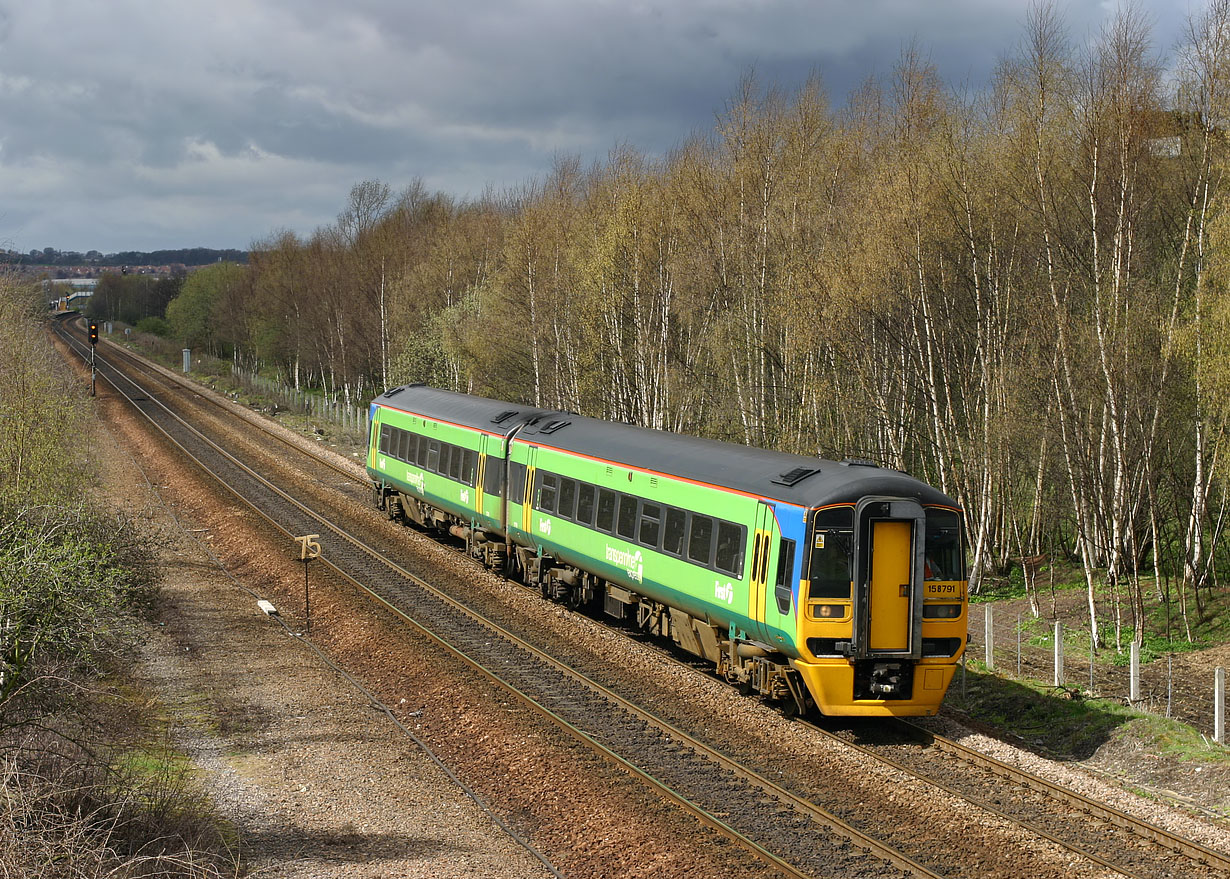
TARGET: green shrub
(71,582)
(155,326)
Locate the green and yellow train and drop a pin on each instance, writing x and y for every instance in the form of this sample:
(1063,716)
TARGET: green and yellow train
(838,585)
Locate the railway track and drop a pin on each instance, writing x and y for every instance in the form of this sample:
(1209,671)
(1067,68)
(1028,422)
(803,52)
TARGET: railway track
(689,769)
(795,836)
(1122,842)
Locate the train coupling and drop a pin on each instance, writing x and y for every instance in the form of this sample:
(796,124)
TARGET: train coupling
(889,680)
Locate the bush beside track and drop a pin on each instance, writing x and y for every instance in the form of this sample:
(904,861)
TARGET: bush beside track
(90,787)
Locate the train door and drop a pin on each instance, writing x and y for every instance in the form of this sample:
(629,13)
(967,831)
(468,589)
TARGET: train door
(888,579)
(890,595)
(531,455)
(779,599)
(764,560)
(490,479)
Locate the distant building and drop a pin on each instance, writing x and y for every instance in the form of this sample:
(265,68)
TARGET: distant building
(69,293)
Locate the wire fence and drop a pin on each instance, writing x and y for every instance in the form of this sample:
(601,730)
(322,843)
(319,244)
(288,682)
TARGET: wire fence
(350,420)
(1061,653)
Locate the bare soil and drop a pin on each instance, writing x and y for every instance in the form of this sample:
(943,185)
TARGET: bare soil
(314,779)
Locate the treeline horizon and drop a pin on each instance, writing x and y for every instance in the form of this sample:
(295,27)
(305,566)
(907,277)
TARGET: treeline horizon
(1019,296)
(187,256)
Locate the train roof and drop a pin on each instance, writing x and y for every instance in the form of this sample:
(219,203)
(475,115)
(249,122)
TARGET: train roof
(466,410)
(781,476)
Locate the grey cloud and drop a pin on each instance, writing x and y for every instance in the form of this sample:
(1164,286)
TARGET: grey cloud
(213,124)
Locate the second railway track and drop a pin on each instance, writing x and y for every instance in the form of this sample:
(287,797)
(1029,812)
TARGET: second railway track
(726,784)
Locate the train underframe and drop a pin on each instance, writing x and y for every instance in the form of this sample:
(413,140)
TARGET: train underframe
(747,665)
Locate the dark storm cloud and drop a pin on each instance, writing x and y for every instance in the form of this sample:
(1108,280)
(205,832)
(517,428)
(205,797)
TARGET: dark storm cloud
(142,124)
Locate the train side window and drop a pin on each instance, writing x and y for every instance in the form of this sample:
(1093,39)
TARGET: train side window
(627,517)
(410,447)
(700,540)
(651,525)
(606,510)
(831,567)
(944,558)
(567,498)
(548,485)
(446,458)
(516,482)
(672,534)
(433,456)
(586,495)
(456,464)
(386,436)
(469,466)
(782,586)
(424,450)
(493,476)
(730,541)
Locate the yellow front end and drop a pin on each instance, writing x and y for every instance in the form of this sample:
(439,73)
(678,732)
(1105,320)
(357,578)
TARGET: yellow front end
(883,600)
(826,626)
(831,684)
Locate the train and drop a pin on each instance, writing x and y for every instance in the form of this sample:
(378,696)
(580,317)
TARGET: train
(833,586)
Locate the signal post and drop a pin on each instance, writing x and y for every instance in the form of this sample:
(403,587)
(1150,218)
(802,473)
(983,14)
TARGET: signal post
(93,348)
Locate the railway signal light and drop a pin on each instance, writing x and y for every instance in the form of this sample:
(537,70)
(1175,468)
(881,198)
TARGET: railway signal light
(93,332)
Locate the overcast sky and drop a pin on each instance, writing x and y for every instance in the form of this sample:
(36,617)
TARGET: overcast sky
(150,124)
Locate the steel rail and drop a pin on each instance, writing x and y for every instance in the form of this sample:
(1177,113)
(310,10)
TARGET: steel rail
(231,409)
(1145,829)
(821,816)
(974,801)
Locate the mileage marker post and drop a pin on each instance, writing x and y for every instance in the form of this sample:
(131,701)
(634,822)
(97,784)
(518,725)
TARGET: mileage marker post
(309,548)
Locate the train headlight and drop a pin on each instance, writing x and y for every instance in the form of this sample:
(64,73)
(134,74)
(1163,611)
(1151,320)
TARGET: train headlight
(830,611)
(941,611)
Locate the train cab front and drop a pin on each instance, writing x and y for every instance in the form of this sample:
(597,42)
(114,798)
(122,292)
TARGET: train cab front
(883,607)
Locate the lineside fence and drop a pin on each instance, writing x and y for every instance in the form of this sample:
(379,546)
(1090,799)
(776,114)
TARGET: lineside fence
(1060,653)
(350,420)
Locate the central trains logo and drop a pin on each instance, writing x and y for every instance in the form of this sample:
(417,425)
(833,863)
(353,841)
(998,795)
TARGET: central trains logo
(724,593)
(417,480)
(629,561)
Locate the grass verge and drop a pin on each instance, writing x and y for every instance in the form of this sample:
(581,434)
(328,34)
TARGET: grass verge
(1062,723)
